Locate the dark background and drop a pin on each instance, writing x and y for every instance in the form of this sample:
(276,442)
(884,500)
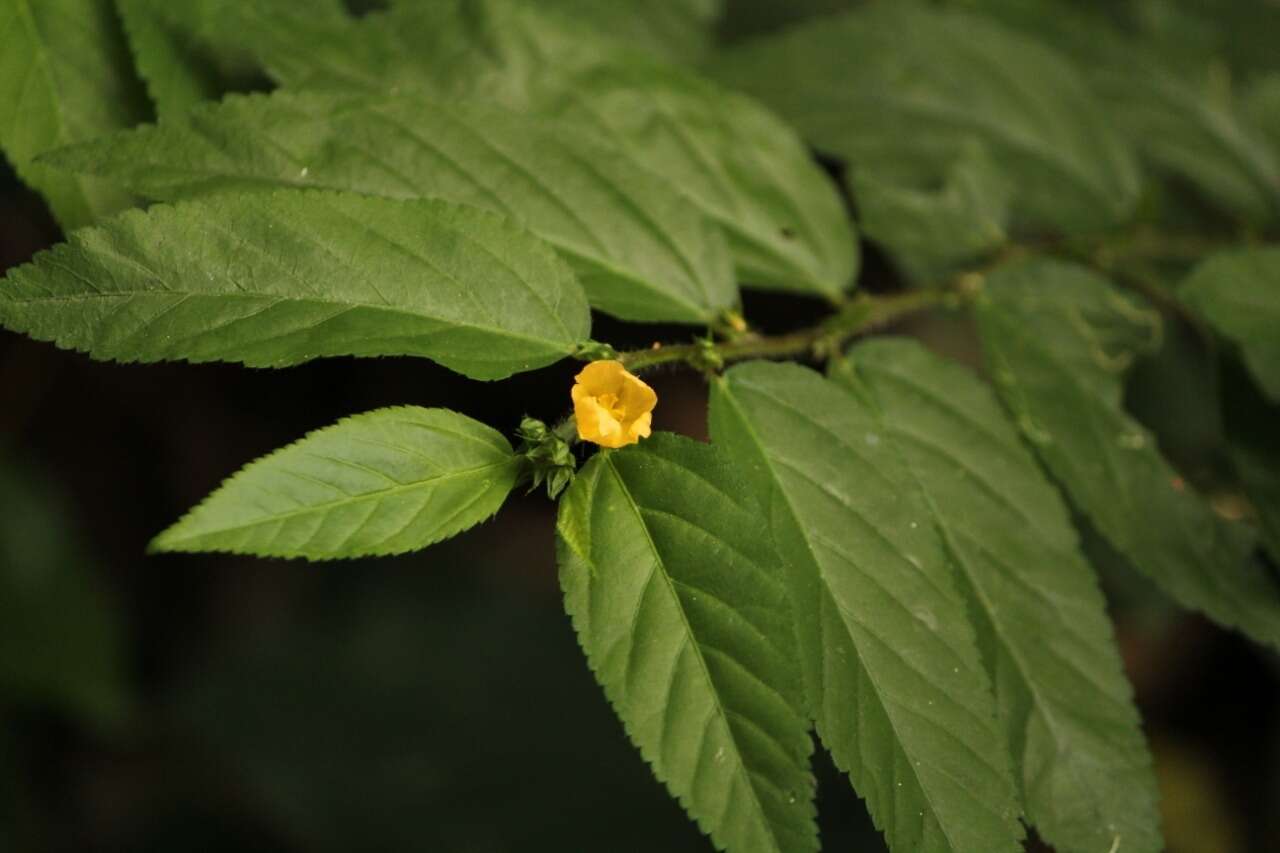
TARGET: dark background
(432,701)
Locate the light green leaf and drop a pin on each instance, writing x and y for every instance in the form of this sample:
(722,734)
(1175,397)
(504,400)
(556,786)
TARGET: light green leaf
(680,604)
(277,279)
(901,91)
(1064,703)
(65,76)
(1058,340)
(1238,292)
(641,252)
(731,159)
(384,482)
(893,674)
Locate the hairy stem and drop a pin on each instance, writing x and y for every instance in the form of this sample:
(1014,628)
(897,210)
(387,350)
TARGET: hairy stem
(861,314)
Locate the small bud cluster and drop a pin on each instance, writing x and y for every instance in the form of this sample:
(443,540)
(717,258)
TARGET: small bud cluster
(547,456)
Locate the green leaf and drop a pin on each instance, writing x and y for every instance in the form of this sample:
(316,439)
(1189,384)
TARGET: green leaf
(731,159)
(494,49)
(1258,464)
(681,608)
(65,76)
(641,252)
(1167,95)
(673,30)
(179,54)
(930,232)
(901,91)
(277,279)
(1262,106)
(893,674)
(1058,340)
(1065,705)
(1238,292)
(1189,130)
(384,482)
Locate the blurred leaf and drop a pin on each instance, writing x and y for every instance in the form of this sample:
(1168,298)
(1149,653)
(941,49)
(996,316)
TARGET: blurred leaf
(178,55)
(384,482)
(680,605)
(930,232)
(902,91)
(1156,67)
(495,49)
(893,675)
(1058,340)
(1175,391)
(1190,131)
(672,30)
(1238,292)
(1262,105)
(751,17)
(676,30)
(61,641)
(1065,705)
(272,280)
(1259,468)
(642,253)
(65,76)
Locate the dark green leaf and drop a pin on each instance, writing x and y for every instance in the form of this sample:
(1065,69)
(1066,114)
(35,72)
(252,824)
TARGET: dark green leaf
(675,30)
(893,675)
(277,279)
(1058,340)
(1262,106)
(902,91)
(731,159)
(65,76)
(1042,624)
(183,54)
(932,231)
(1259,468)
(1164,91)
(641,251)
(1238,292)
(1189,130)
(385,482)
(680,604)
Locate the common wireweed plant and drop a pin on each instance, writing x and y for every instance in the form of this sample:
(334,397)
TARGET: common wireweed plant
(879,544)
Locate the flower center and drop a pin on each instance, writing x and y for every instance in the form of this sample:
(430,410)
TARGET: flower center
(611,404)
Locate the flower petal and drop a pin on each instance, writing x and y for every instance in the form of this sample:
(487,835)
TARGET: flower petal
(602,377)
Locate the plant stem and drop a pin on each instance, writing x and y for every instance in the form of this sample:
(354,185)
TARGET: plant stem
(861,314)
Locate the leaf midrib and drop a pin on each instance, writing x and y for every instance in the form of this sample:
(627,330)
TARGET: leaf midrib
(557,346)
(660,568)
(328,506)
(827,593)
(1042,708)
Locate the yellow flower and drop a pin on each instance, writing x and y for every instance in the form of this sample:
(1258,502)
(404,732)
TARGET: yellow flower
(613,407)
